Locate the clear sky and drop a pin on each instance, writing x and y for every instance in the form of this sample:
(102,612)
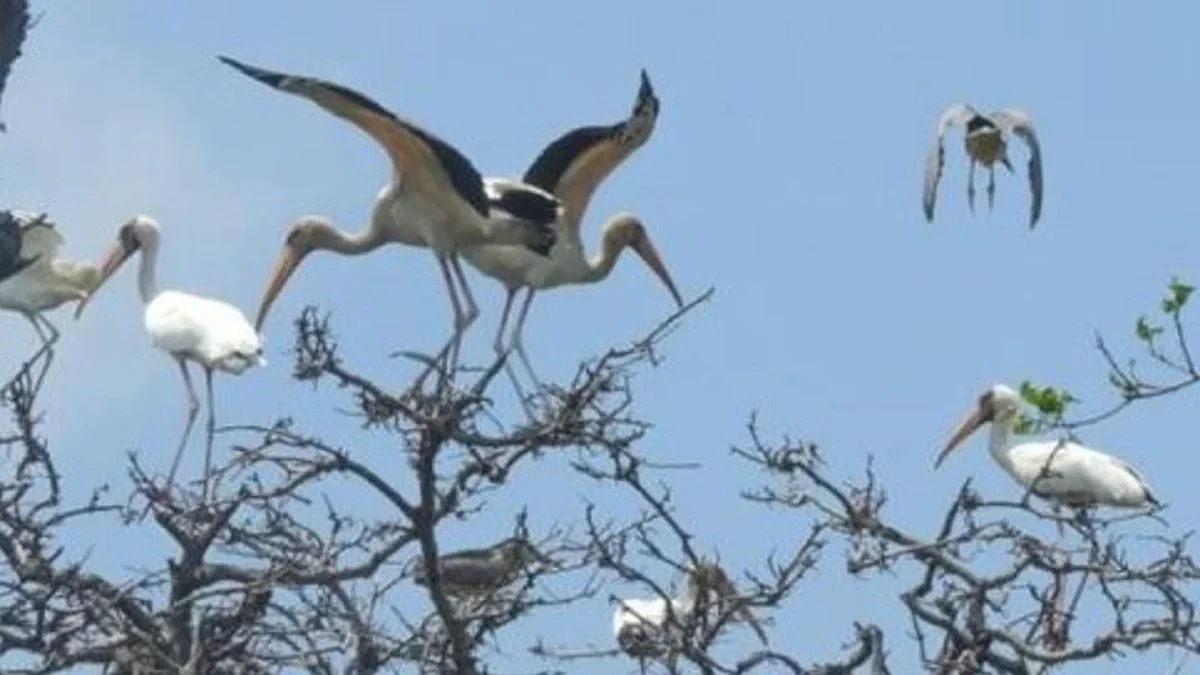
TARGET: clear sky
(785,171)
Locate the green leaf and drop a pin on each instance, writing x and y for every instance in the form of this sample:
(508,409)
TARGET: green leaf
(1025,425)
(1146,332)
(1178,294)
(1050,401)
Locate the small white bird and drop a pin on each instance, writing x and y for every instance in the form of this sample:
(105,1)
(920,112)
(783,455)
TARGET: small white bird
(652,628)
(1076,476)
(984,142)
(33,279)
(209,332)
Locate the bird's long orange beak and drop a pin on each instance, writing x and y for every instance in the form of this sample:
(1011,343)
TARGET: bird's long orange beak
(289,260)
(646,251)
(979,416)
(117,256)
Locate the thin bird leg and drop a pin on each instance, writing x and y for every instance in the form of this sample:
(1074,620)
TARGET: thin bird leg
(518,340)
(193,408)
(991,187)
(457,308)
(47,347)
(472,308)
(502,352)
(498,345)
(212,425)
(971,187)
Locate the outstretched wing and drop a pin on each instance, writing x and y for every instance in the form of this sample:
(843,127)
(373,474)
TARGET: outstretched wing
(573,165)
(957,114)
(415,152)
(1020,125)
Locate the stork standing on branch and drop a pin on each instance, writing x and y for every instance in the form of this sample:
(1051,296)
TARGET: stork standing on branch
(436,198)
(188,327)
(1059,471)
(34,279)
(572,168)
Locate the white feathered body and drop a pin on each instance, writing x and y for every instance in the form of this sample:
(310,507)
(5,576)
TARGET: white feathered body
(638,623)
(1077,475)
(50,281)
(213,333)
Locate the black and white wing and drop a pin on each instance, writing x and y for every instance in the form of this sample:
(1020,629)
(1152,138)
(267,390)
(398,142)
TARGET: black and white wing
(528,205)
(573,165)
(25,239)
(1016,122)
(957,114)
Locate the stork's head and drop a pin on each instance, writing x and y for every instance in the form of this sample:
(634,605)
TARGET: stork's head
(998,404)
(138,232)
(308,234)
(627,230)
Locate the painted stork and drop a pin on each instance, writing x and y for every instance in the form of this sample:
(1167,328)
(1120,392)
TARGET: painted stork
(572,167)
(984,142)
(484,570)
(648,629)
(34,279)
(214,334)
(1076,476)
(436,198)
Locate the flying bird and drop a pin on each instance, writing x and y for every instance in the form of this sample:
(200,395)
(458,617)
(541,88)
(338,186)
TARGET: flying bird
(484,570)
(214,334)
(652,628)
(35,280)
(985,144)
(1062,472)
(436,198)
(571,168)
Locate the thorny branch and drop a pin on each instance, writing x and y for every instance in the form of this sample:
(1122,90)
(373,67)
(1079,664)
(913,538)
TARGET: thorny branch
(1100,593)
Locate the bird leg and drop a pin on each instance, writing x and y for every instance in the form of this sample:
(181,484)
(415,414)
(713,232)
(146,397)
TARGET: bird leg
(211,428)
(971,187)
(452,343)
(991,187)
(502,352)
(518,339)
(193,408)
(47,347)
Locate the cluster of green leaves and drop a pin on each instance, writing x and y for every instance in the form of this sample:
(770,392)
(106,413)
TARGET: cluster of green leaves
(1051,404)
(1178,294)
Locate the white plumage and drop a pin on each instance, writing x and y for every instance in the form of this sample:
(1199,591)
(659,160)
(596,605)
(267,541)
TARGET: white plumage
(214,334)
(40,280)
(649,628)
(1077,476)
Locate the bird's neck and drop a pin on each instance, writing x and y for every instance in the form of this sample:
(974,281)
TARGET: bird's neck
(1000,439)
(148,271)
(601,264)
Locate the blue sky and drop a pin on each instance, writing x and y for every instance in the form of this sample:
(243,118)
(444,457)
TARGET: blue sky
(784,171)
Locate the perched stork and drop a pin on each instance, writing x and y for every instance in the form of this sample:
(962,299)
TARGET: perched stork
(34,280)
(436,198)
(214,334)
(984,142)
(572,167)
(652,628)
(482,571)
(1075,476)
